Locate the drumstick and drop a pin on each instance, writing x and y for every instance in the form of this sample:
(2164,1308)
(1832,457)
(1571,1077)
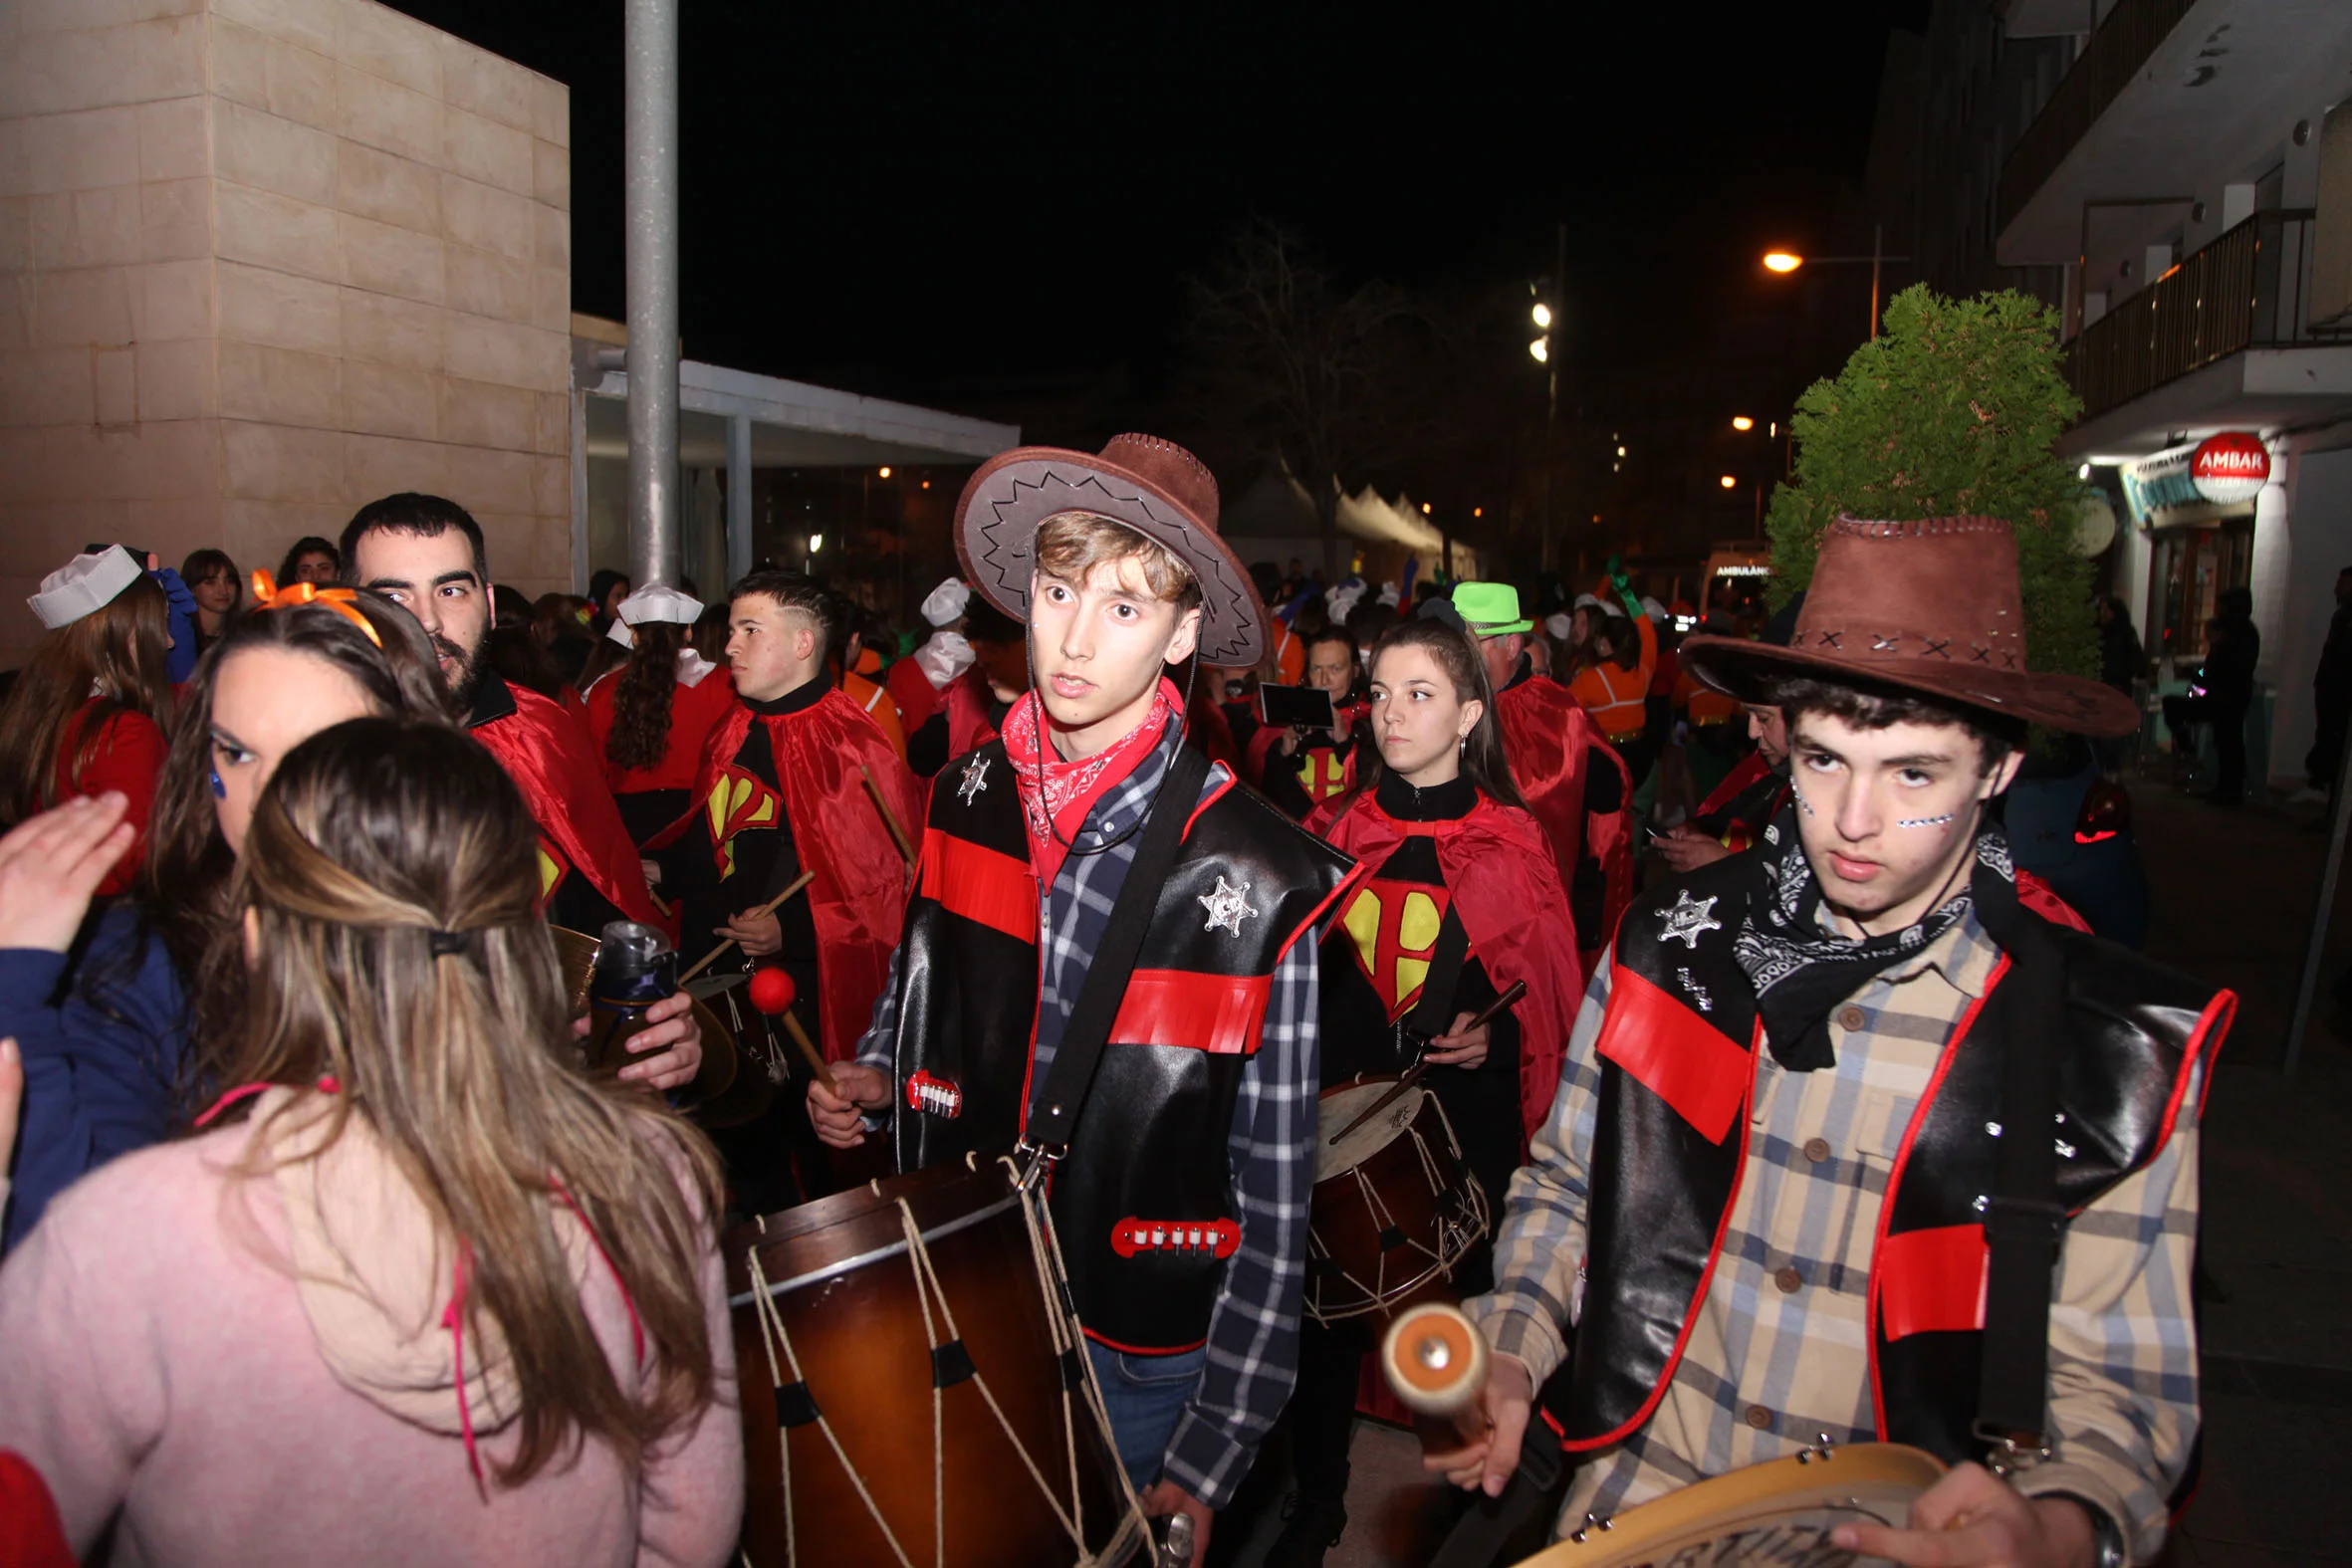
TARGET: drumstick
(1494,1010)
(906,850)
(769,908)
(825,1075)
(1435,1361)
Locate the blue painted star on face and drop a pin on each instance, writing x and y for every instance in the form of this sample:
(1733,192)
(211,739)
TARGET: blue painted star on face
(1228,907)
(1689,919)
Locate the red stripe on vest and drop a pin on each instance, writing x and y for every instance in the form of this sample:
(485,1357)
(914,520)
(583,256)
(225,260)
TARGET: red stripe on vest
(981,885)
(1886,1208)
(1220,1013)
(1933,1281)
(1667,1050)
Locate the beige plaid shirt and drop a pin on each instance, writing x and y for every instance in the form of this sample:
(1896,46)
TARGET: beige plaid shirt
(1779,1356)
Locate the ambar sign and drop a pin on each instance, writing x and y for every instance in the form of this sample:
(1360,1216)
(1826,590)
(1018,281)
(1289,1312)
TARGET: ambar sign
(2230,468)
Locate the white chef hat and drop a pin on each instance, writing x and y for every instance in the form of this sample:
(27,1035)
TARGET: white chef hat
(944,605)
(87,583)
(653,603)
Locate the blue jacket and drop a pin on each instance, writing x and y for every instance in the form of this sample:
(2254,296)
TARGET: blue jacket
(103,1037)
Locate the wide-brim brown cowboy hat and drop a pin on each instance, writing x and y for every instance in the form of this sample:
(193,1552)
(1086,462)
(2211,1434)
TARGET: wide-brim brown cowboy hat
(1931,607)
(1152,486)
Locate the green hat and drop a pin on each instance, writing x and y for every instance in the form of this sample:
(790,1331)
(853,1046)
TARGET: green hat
(1490,609)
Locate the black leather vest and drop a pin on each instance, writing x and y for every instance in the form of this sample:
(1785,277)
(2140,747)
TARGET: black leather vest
(1676,1074)
(1142,1200)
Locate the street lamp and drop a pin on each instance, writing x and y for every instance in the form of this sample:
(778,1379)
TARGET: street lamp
(1542,314)
(1742,422)
(1785,262)
(884,472)
(1541,350)
(1728,483)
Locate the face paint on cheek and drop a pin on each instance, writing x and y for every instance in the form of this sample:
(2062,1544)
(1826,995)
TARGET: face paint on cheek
(1803,804)
(220,791)
(1926,821)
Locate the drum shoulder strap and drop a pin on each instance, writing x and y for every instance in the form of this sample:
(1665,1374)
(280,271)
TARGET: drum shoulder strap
(2024,1223)
(1055,1112)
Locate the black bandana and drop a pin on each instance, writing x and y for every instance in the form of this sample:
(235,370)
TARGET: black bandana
(1800,971)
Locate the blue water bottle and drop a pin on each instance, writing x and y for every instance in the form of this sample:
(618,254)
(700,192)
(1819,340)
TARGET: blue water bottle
(636,968)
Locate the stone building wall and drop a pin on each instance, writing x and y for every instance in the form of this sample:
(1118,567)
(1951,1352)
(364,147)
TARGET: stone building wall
(262,261)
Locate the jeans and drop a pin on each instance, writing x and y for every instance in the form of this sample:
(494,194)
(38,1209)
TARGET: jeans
(1144,1397)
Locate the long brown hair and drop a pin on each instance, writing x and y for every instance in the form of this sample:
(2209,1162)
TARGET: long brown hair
(116,653)
(392,876)
(184,884)
(641,694)
(1482,760)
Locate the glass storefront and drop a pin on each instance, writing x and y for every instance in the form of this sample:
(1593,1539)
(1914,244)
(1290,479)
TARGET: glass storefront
(2187,568)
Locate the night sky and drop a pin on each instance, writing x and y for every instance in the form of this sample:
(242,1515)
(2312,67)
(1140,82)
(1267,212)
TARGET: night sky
(947,200)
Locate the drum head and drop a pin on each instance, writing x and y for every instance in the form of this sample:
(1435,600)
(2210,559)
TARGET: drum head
(1344,1105)
(726,1089)
(1777,1513)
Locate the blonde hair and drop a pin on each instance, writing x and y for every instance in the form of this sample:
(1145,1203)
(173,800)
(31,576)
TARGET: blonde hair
(392,873)
(1071,544)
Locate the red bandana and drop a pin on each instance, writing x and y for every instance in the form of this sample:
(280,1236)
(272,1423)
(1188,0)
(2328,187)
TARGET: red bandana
(1069,790)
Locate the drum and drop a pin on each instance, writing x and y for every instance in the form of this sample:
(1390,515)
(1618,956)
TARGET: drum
(1780,1511)
(912,1392)
(727,1091)
(1394,1207)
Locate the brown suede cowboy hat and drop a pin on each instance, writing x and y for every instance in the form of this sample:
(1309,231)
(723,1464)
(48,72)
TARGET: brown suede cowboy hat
(1931,607)
(1155,487)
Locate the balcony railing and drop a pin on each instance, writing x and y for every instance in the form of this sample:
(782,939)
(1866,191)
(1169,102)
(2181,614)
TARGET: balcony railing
(2114,56)
(2246,288)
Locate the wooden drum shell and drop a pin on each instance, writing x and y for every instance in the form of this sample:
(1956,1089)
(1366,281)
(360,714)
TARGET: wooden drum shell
(1412,1180)
(845,1287)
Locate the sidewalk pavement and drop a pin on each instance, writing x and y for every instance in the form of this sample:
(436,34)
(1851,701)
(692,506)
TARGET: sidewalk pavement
(2233,893)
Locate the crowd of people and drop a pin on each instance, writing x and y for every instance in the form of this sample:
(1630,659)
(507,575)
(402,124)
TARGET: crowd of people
(324,1237)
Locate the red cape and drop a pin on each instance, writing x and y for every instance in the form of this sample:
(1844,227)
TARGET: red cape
(1515,910)
(553,762)
(859,897)
(1744,773)
(966,699)
(912,690)
(1547,735)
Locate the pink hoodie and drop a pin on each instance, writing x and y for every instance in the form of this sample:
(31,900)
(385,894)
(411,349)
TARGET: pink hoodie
(257,1370)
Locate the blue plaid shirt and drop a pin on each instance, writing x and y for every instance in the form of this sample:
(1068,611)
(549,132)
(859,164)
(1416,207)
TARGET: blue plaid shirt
(1253,1344)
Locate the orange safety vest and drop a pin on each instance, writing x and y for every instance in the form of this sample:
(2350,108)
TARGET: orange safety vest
(1617,699)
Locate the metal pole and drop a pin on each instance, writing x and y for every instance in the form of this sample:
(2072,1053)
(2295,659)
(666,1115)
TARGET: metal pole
(1876,246)
(649,113)
(738,496)
(2307,987)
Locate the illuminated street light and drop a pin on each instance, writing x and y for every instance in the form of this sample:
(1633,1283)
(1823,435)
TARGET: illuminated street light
(1728,483)
(1541,350)
(1542,314)
(885,471)
(816,542)
(1478,511)
(1782,260)
(1742,422)
(2084,471)
(1621,451)
(1424,509)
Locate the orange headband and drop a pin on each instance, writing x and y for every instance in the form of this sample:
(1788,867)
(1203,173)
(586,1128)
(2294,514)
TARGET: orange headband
(268,595)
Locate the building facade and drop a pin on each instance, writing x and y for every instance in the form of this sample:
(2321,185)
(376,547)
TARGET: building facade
(2175,176)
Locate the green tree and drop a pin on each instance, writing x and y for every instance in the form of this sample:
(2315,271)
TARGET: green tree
(1952,412)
